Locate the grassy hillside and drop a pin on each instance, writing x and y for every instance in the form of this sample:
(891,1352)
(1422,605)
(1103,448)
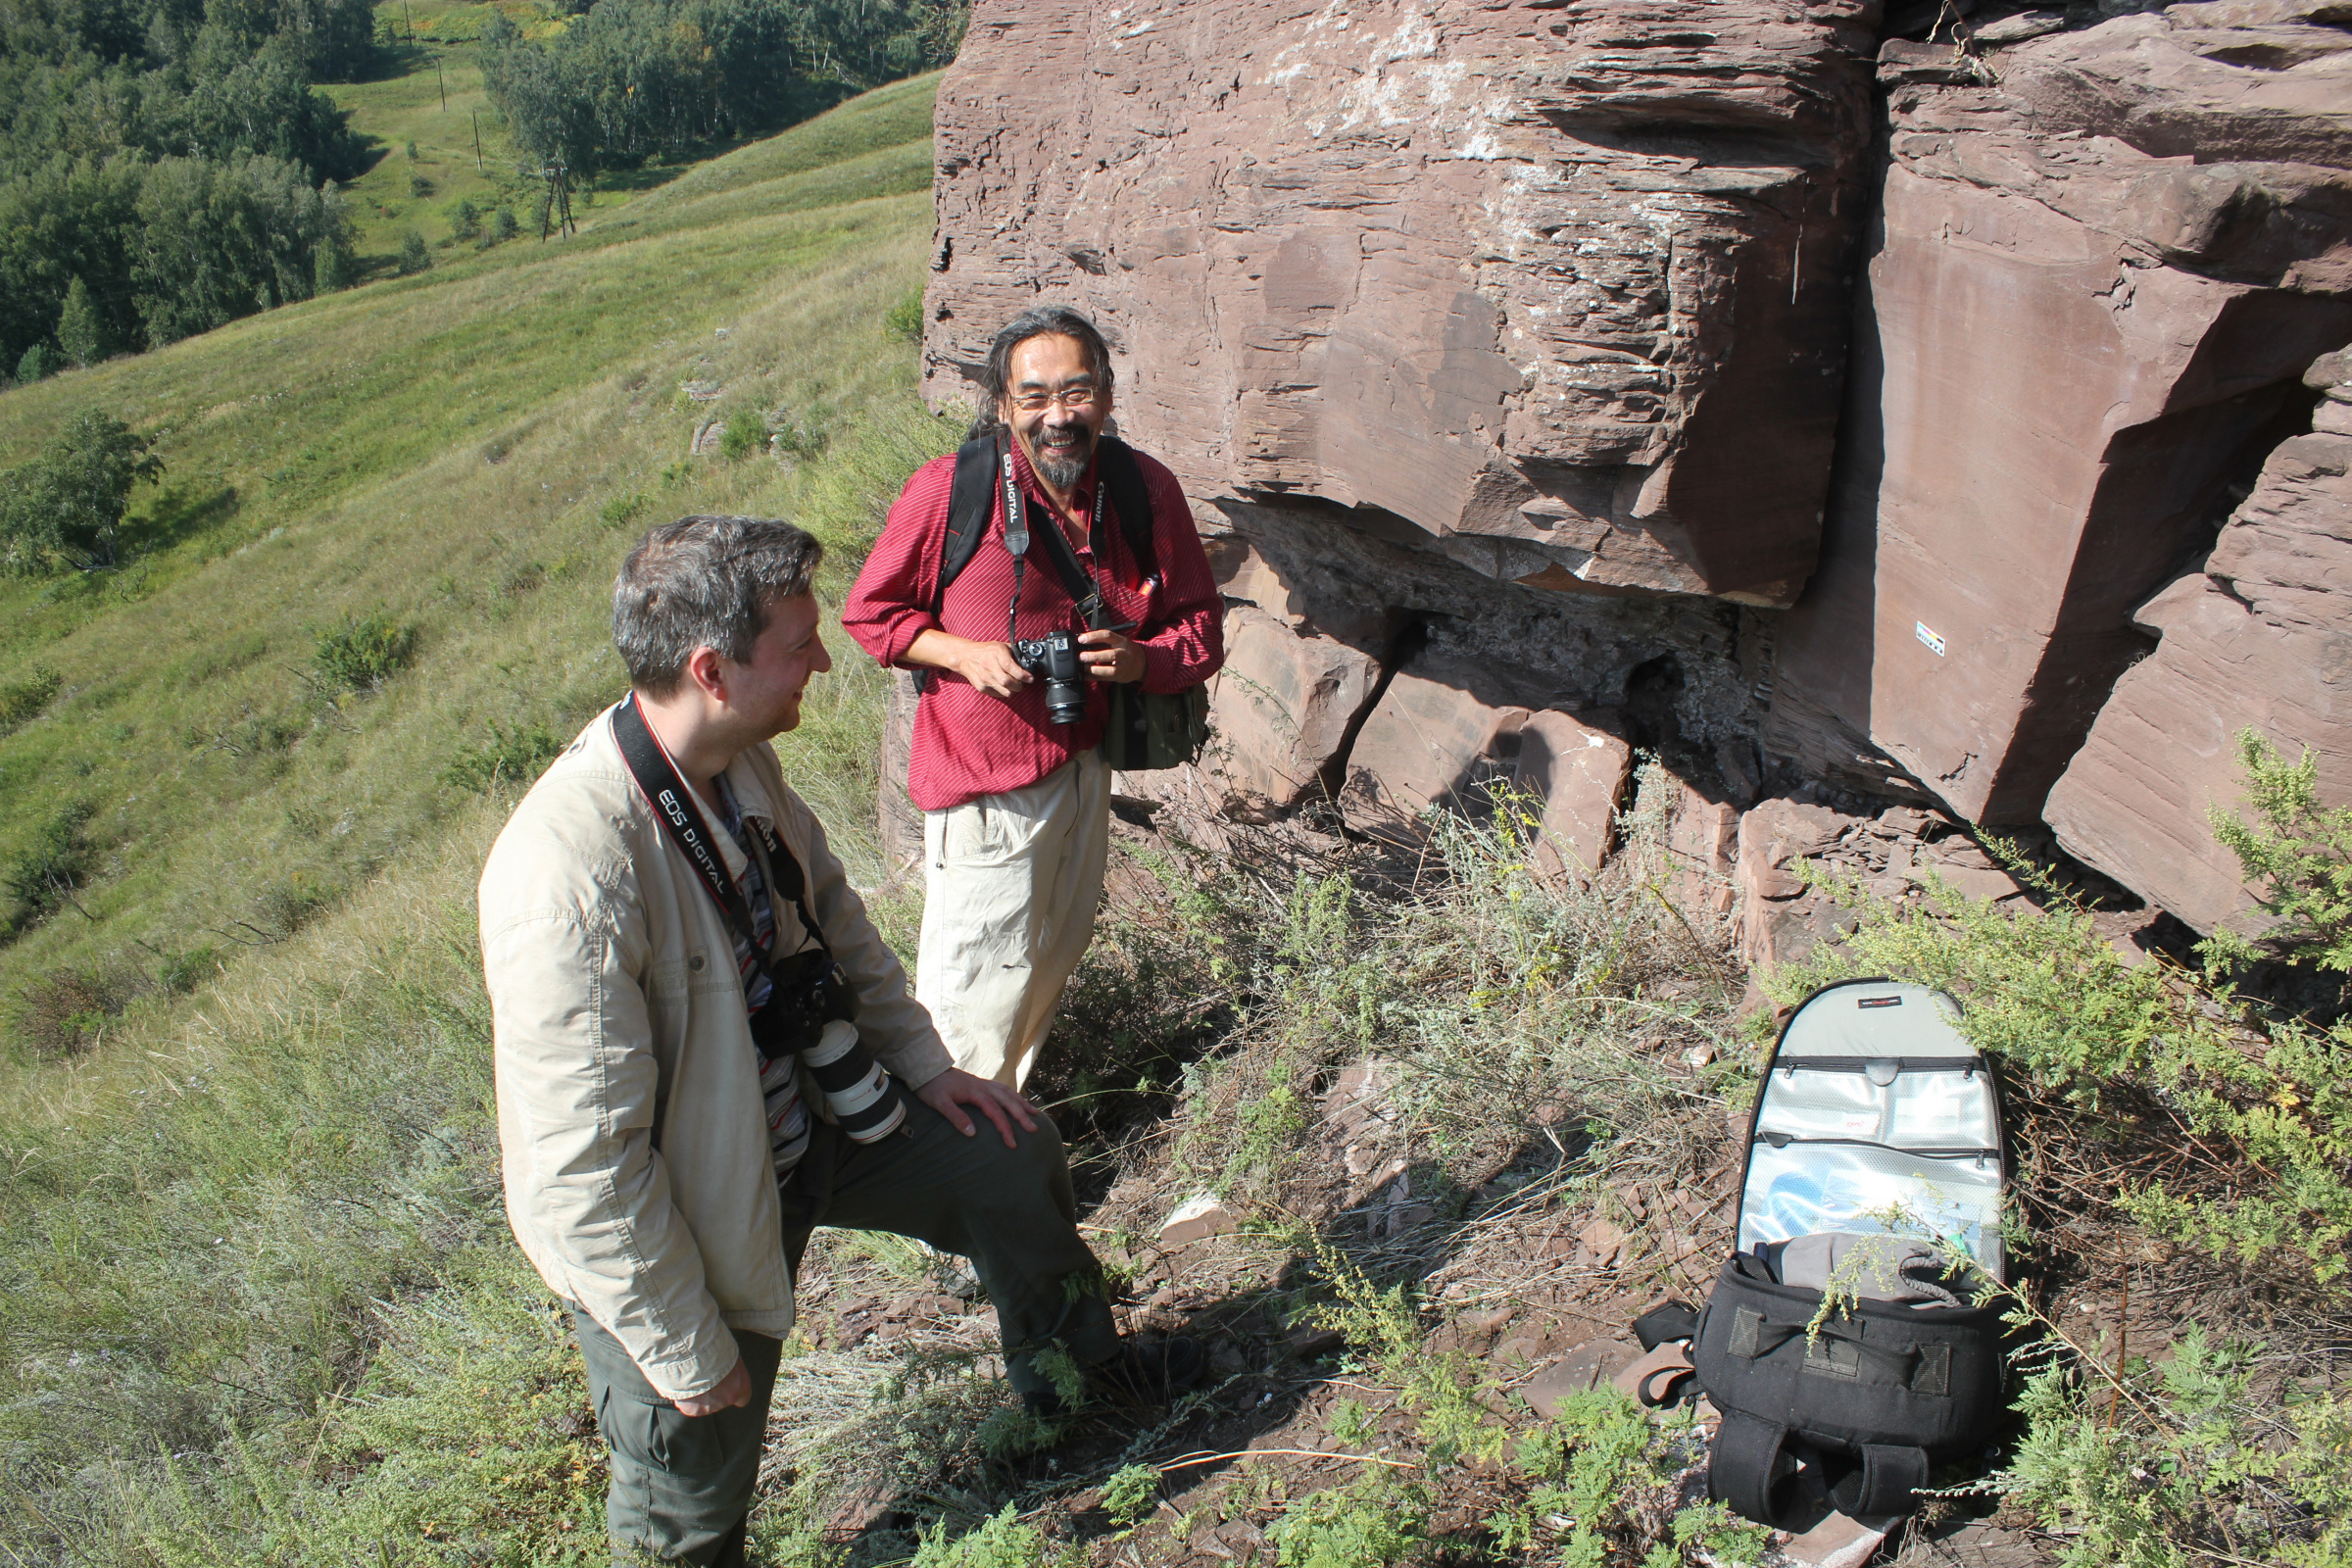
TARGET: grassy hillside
(463,452)
(245,1063)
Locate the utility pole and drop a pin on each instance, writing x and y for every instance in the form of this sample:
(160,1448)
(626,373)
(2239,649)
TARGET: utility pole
(442,81)
(478,140)
(405,17)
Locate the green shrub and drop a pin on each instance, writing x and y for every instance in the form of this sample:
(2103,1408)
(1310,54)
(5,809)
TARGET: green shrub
(1129,1493)
(414,256)
(41,876)
(63,1012)
(503,225)
(465,221)
(64,507)
(746,432)
(360,656)
(1374,1521)
(330,266)
(80,331)
(184,972)
(514,756)
(2296,853)
(904,320)
(35,363)
(1002,1541)
(803,436)
(623,511)
(22,700)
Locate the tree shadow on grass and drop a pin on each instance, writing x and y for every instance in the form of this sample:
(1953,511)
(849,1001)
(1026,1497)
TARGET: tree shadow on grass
(178,514)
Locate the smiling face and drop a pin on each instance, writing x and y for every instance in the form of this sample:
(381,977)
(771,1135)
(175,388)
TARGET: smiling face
(1043,376)
(766,692)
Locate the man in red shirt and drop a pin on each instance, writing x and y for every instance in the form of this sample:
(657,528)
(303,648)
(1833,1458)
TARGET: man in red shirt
(1017,806)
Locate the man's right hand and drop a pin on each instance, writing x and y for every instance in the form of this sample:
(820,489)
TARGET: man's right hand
(729,1392)
(990,666)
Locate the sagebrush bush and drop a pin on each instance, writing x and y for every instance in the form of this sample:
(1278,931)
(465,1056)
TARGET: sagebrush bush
(745,434)
(2297,855)
(22,700)
(360,656)
(47,871)
(63,1014)
(904,320)
(510,757)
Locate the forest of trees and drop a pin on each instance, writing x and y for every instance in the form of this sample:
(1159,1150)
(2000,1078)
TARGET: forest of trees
(168,156)
(638,78)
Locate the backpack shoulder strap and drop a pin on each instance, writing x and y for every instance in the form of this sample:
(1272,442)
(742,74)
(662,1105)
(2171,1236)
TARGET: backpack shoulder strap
(971,502)
(1131,498)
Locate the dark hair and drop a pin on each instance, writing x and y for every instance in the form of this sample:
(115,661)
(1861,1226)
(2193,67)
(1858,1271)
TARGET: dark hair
(1039,321)
(703,582)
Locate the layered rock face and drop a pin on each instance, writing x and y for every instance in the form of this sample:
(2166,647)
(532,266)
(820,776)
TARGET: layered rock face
(1562,285)
(1503,349)
(2260,639)
(2101,262)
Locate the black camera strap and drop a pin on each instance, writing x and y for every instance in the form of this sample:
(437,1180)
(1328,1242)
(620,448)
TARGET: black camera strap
(682,820)
(1085,593)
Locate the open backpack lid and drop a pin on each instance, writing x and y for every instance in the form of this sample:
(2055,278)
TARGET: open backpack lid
(1876,1117)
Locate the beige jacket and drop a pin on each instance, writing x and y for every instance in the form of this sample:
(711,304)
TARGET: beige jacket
(616,1015)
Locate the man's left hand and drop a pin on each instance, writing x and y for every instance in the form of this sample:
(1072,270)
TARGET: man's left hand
(1110,657)
(955,1088)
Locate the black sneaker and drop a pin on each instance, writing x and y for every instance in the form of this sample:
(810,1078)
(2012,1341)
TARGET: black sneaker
(1140,1376)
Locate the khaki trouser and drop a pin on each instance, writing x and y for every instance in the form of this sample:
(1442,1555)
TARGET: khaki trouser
(1010,886)
(682,1486)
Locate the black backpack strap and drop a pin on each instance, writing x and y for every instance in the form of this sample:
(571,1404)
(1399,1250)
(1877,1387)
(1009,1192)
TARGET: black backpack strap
(1124,478)
(971,504)
(1886,1482)
(1750,1469)
(1665,1323)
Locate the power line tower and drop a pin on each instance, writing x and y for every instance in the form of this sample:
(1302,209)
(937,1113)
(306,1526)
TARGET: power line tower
(557,218)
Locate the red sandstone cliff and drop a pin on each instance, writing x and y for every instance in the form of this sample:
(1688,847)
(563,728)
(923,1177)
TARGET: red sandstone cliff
(1504,351)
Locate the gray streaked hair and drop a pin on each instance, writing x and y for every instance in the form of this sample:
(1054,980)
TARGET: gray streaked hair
(1039,321)
(704,582)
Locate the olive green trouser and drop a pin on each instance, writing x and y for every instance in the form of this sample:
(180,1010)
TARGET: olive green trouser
(681,1485)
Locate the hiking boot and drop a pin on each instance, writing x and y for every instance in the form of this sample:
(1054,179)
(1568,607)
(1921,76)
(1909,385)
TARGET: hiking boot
(1137,1377)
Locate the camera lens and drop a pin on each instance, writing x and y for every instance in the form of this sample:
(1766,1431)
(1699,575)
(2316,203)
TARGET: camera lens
(1065,680)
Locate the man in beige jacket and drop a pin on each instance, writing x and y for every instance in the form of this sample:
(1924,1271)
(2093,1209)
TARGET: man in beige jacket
(667,1146)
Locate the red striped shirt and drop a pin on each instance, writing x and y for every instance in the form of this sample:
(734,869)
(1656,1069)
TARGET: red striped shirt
(966,743)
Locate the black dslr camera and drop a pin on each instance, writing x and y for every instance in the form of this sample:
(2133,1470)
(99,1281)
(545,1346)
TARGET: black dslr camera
(1053,658)
(810,992)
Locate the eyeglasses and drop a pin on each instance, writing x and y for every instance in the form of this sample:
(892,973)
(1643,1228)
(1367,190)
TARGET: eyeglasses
(1072,397)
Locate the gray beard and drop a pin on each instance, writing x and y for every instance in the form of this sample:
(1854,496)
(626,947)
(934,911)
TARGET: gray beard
(1061,473)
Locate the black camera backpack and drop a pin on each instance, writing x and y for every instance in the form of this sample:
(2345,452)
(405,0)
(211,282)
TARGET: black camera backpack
(1877,1126)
